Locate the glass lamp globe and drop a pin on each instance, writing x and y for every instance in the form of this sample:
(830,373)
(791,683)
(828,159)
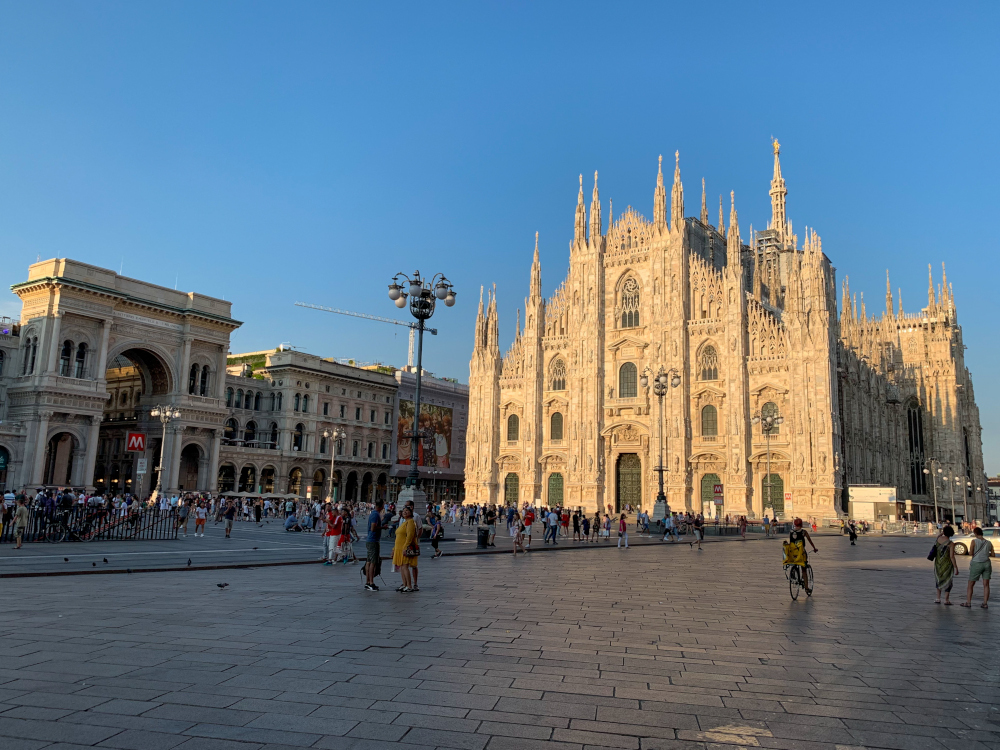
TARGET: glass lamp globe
(415,287)
(644,381)
(394,291)
(401,301)
(450,299)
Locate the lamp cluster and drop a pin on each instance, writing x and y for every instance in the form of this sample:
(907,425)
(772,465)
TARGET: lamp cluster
(421,293)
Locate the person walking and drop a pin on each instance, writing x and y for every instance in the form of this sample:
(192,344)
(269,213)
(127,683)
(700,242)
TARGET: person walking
(767,527)
(183,513)
(491,524)
(373,548)
(405,551)
(945,564)
(230,515)
(200,516)
(606,533)
(852,532)
(699,531)
(553,526)
(331,537)
(622,531)
(529,520)
(980,567)
(437,532)
(743,527)
(576,526)
(20,521)
(517,527)
(595,527)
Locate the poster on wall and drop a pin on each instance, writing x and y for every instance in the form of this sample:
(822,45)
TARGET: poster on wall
(434,447)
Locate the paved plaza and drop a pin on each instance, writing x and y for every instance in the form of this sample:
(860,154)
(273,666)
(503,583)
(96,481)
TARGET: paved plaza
(656,647)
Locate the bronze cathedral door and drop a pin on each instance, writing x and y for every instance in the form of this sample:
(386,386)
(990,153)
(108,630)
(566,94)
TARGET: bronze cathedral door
(628,482)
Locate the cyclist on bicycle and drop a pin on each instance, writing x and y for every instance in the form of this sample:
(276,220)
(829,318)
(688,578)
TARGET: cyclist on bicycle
(795,549)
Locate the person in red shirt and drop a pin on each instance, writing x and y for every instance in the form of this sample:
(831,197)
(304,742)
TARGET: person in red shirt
(334,529)
(529,519)
(564,521)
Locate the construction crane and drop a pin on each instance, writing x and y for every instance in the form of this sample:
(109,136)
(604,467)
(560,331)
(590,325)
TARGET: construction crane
(366,316)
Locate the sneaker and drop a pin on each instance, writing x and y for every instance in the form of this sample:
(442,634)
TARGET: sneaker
(370,587)
(327,562)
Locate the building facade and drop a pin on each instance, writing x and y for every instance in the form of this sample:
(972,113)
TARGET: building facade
(753,332)
(444,415)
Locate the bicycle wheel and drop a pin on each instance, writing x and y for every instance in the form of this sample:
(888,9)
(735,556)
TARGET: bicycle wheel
(793,582)
(812,580)
(55,533)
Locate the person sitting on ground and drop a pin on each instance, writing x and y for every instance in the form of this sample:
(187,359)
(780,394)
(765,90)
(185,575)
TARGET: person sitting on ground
(292,523)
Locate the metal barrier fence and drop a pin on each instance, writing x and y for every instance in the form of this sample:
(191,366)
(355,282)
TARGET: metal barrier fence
(85,524)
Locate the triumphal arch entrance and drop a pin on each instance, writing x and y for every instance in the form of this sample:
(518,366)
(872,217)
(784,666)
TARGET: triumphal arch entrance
(98,351)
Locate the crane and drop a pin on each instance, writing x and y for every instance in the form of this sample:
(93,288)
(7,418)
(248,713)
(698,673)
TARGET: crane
(366,316)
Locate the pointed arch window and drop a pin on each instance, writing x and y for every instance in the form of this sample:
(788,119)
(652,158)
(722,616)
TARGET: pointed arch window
(203,386)
(513,428)
(64,358)
(250,432)
(627,381)
(709,421)
(81,361)
(630,303)
(556,427)
(708,364)
(297,437)
(557,376)
(915,430)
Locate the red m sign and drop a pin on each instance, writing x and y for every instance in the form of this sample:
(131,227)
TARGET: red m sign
(136,442)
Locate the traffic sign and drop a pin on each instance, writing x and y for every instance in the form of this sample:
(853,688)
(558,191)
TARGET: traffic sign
(788,497)
(136,442)
(140,466)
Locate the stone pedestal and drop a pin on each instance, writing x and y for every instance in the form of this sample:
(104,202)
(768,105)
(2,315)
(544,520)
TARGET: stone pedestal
(659,511)
(418,497)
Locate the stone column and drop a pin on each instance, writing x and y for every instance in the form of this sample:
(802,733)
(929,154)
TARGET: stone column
(102,359)
(220,375)
(56,328)
(175,433)
(213,463)
(41,441)
(78,468)
(93,436)
(185,364)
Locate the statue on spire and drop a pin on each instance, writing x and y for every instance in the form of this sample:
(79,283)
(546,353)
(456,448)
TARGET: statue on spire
(660,199)
(677,195)
(580,226)
(704,205)
(595,213)
(778,195)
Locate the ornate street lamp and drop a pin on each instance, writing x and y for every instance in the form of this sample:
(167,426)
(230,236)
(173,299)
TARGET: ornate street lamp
(166,415)
(768,425)
(927,471)
(660,382)
(423,296)
(332,438)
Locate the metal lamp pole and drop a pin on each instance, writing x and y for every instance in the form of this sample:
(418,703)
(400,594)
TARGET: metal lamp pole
(768,423)
(930,462)
(660,390)
(423,296)
(968,487)
(166,415)
(333,436)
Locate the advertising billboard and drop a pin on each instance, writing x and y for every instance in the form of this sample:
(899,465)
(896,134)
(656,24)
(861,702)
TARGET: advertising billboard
(434,447)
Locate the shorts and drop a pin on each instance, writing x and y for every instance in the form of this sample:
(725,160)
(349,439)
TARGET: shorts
(492,528)
(229,524)
(527,529)
(373,556)
(979,570)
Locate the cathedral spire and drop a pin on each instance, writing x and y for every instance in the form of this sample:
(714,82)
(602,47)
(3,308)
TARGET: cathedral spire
(535,294)
(722,224)
(845,299)
(888,295)
(704,205)
(944,286)
(899,301)
(517,325)
(660,199)
(930,286)
(677,195)
(778,193)
(492,324)
(611,213)
(580,228)
(595,214)
(480,323)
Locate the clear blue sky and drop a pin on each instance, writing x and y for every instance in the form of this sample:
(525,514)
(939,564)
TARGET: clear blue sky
(274,152)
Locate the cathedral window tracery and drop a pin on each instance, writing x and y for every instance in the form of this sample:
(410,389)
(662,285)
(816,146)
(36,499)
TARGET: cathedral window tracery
(630,303)
(708,364)
(627,381)
(557,376)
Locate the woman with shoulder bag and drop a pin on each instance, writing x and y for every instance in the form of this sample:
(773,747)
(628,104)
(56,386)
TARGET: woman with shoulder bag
(945,564)
(405,552)
(437,532)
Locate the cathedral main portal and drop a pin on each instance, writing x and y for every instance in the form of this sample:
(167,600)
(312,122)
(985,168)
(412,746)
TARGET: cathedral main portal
(628,481)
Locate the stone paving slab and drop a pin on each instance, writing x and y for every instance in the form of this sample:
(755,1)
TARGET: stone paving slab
(661,646)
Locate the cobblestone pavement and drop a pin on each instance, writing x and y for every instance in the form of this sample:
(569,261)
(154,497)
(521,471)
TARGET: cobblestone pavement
(656,647)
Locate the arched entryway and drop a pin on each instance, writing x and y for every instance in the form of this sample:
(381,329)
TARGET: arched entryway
(4,466)
(295,481)
(773,491)
(227,478)
(628,482)
(708,482)
(338,478)
(511,489)
(381,486)
(190,461)
(319,485)
(351,490)
(248,479)
(59,456)
(366,487)
(267,479)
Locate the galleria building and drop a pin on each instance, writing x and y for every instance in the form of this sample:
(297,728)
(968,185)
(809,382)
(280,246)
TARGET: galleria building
(752,331)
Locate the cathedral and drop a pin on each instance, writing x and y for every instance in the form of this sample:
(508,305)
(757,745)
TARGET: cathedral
(769,399)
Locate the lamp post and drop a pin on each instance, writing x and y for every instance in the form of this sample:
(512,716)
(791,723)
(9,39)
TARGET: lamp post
(930,463)
(423,296)
(768,425)
(660,381)
(333,437)
(166,415)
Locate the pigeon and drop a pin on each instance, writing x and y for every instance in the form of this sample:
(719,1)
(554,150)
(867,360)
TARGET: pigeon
(94,564)
(189,562)
(128,570)
(105,559)
(222,585)
(65,559)
(255,548)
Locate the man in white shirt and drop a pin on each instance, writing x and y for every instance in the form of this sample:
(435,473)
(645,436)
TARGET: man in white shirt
(552,520)
(980,566)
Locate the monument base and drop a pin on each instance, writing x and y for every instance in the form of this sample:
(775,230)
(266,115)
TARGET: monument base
(416,496)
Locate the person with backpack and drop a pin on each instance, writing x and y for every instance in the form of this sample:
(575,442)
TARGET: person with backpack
(437,533)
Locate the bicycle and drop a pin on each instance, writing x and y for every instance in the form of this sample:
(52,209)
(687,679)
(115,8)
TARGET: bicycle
(794,575)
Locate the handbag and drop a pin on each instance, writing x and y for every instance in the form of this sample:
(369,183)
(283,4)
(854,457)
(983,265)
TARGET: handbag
(411,552)
(933,553)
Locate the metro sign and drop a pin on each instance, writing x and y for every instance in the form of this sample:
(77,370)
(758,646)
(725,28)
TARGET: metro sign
(136,442)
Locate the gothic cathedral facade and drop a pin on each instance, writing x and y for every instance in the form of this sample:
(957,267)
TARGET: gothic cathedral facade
(772,401)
